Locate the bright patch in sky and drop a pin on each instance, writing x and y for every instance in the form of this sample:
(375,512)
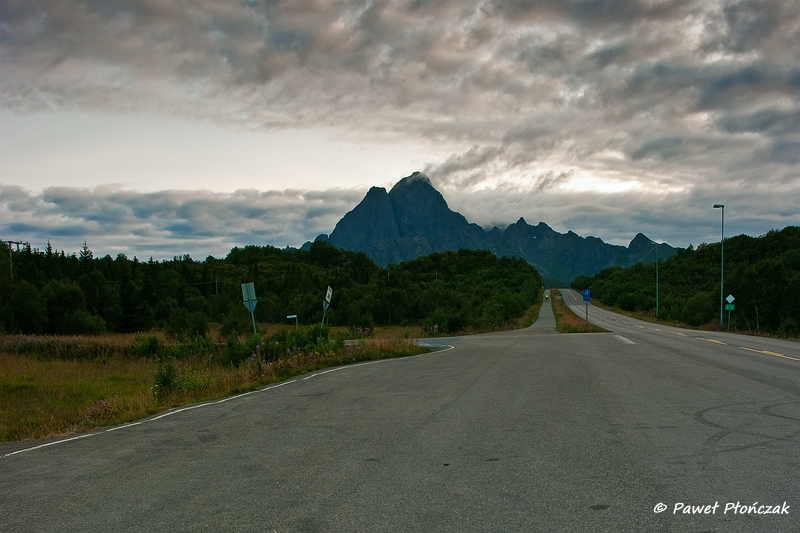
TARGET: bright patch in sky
(583,182)
(154,153)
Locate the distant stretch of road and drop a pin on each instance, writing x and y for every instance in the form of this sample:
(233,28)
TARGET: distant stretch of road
(644,428)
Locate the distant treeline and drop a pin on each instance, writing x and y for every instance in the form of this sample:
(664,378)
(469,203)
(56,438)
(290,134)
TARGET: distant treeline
(762,273)
(54,292)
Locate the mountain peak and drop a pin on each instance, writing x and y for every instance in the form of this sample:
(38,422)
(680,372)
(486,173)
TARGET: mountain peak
(415,196)
(640,242)
(413,219)
(414,184)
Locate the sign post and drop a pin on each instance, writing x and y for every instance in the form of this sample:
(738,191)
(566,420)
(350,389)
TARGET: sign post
(295,319)
(326,303)
(729,307)
(249,297)
(586,296)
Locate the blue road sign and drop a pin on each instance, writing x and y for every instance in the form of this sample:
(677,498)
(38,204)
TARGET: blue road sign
(585,295)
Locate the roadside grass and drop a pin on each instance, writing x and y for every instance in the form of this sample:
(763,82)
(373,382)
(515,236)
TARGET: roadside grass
(566,320)
(41,398)
(531,315)
(64,390)
(59,385)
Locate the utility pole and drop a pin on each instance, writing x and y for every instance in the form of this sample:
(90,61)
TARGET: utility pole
(10,257)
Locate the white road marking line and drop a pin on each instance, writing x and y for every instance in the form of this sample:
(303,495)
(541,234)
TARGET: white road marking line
(774,354)
(176,411)
(446,347)
(50,444)
(253,392)
(351,366)
(323,372)
(122,427)
(623,339)
(677,333)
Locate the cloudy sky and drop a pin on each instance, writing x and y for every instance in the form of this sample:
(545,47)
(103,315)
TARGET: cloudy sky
(164,127)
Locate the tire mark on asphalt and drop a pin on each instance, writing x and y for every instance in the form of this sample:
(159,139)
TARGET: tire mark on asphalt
(713,442)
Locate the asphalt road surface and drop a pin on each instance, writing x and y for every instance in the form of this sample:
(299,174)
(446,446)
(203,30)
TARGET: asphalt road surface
(528,430)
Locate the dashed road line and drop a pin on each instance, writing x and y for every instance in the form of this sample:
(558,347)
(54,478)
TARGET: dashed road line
(767,352)
(712,340)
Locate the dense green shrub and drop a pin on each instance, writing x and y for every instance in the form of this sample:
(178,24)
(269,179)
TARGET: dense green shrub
(67,294)
(763,275)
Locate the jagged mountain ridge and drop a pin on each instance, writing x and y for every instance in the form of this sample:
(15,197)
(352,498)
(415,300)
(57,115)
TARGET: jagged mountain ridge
(413,220)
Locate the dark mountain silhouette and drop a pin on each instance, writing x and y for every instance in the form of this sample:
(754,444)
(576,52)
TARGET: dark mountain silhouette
(413,220)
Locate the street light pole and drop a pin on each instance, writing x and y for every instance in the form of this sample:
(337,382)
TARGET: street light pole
(655,244)
(722,260)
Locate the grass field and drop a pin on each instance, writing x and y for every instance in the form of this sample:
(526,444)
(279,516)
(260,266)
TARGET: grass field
(566,320)
(40,398)
(57,385)
(44,397)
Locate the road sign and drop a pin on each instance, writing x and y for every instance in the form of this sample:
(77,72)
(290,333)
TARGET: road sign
(326,303)
(729,307)
(249,298)
(586,295)
(248,291)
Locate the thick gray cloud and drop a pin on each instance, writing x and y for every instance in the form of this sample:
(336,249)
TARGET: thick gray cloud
(168,223)
(672,104)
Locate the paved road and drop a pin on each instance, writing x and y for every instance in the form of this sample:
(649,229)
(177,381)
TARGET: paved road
(518,431)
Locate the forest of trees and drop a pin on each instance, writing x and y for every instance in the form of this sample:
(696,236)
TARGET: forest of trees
(54,292)
(762,273)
